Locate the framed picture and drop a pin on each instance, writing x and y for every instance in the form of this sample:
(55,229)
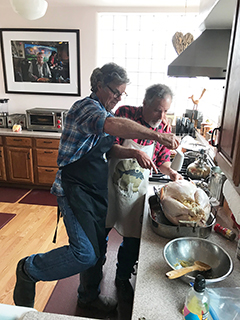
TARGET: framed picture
(41,61)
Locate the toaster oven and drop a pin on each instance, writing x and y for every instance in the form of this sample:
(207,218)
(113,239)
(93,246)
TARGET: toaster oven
(45,119)
(16,118)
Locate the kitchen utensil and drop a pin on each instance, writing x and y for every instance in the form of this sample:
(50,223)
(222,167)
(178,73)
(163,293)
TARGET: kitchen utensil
(198,265)
(190,156)
(189,249)
(189,143)
(164,228)
(199,169)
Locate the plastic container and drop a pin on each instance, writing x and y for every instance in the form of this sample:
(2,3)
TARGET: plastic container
(197,301)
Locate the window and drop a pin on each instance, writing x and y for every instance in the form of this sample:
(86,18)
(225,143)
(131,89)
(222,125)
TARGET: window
(142,44)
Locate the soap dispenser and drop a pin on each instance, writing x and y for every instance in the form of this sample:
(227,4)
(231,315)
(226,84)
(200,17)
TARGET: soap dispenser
(197,301)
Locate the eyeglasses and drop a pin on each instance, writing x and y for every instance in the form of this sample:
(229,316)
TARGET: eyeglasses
(116,93)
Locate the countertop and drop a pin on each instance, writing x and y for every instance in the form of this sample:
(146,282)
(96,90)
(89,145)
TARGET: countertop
(31,134)
(157,297)
(49,316)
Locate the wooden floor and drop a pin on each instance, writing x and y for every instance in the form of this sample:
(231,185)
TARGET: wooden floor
(30,231)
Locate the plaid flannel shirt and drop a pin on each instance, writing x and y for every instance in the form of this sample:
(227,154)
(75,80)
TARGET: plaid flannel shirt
(161,153)
(83,128)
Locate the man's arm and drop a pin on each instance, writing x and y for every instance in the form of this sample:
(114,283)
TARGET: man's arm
(121,152)
(128,129)
(166,169)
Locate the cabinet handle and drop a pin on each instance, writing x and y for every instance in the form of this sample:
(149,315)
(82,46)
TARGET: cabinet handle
(0,153)
(47,142)
(28,156)
(48,170)
(17,139)
(48,152)
(212,136)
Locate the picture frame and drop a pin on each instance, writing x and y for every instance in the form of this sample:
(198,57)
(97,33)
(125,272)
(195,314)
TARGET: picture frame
(41,61)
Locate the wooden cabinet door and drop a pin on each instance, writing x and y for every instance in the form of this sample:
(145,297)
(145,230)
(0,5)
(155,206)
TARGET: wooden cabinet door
(47,143)
(47,158)
(45,155)
(18,141)
(229,141)
(20,164)
(46,176)
(2,165)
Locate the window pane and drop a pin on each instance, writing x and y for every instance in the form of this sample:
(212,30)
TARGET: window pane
(142,44)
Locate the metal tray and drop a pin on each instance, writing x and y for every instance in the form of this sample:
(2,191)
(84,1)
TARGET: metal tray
(163,227)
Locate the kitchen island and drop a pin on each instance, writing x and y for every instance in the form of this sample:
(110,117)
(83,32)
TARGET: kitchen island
(157,297)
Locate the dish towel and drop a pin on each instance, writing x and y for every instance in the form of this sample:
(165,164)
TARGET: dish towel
(233,199)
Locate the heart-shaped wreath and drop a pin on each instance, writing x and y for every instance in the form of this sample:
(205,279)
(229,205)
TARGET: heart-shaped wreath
(181,42)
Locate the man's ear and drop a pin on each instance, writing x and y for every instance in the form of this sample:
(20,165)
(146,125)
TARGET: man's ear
(99,85)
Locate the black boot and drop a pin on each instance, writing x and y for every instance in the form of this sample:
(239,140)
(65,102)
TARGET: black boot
(124,290)
(24,291)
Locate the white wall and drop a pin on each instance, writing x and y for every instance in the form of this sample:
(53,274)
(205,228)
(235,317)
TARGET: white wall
(82,18)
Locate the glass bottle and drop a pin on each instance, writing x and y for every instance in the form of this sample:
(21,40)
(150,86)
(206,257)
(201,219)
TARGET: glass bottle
(197,301)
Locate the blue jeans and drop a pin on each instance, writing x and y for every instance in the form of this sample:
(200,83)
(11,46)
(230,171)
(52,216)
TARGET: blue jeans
(65,261)
(89,287)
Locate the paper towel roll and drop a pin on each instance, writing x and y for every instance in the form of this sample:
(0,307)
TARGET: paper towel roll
(233,199)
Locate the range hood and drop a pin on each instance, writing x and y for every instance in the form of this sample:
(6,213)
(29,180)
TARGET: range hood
(205,56)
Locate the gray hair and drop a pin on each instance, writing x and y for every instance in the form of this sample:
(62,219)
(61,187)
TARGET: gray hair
(110,72)
(157,91)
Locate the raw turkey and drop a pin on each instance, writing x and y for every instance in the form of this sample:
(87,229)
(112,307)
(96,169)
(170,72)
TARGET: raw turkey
(182,200)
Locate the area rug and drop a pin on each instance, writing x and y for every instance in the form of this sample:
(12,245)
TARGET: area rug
(64,296)
(5,218)
(11,195)
(40,197)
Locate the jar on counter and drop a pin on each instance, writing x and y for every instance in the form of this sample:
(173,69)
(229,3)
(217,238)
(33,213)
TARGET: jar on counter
(225,232)
(4,107)
(216,180)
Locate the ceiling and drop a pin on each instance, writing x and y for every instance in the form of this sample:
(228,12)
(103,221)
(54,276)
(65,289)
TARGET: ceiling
(119,3)
(128,3)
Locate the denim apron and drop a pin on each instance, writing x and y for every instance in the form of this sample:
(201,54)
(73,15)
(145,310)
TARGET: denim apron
(85,185)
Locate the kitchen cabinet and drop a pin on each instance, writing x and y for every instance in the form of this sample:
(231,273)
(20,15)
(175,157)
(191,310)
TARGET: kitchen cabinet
(2,162)
(228,151)
(45,155)
(27,159)
(19,159)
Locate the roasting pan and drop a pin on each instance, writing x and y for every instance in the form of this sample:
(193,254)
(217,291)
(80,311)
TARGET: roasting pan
(163,227)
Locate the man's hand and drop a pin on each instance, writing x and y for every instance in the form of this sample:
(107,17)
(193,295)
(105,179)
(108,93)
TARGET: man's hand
(169,140)
(145,161)
(174,175)
(166,124)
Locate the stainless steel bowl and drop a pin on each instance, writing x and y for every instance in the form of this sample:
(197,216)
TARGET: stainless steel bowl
(163,227)
(188,250)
